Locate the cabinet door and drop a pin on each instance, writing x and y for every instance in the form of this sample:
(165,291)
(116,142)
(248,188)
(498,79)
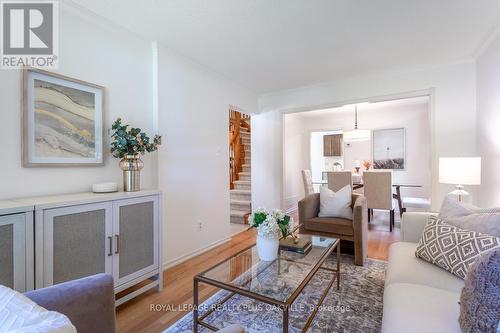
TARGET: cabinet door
(136,238)
(14,250)
(77,242)
(332,145)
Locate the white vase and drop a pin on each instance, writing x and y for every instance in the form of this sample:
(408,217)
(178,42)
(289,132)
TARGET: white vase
(267,248)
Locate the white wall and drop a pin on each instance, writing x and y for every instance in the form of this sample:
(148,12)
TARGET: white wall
(453,114)
(93,51)
(267,158)
(412,115)
(192,167)
(488,123)
(295,159)
(194,160)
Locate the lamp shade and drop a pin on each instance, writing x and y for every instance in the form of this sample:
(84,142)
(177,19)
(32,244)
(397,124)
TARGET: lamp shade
(357,135)
(460,170)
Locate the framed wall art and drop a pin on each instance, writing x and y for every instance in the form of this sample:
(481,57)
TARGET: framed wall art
(389,149)
(62,121)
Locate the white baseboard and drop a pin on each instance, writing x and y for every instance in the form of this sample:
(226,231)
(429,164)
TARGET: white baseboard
(173,262)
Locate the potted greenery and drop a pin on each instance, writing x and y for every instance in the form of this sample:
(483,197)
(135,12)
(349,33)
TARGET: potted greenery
(128,144)
(269,228)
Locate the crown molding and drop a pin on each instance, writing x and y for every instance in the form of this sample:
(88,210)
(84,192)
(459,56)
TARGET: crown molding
(97,19)
(487,40)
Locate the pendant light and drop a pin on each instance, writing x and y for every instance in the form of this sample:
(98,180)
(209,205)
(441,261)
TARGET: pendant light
(356,134)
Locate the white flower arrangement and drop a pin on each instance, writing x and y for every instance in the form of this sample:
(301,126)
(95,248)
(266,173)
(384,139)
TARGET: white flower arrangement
(269,228)
(270,225)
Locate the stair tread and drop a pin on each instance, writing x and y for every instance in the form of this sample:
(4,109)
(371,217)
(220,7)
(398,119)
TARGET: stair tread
(241,202)
(239,213)
(245,173)
(236,191)
(242,182)
(242,192)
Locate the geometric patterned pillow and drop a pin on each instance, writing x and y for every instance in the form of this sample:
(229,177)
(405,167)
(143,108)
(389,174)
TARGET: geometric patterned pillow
(452,248)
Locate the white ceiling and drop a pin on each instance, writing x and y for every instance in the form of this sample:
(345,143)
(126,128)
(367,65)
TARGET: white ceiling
(270,45)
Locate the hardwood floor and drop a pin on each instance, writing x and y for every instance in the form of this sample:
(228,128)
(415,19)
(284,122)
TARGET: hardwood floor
(177,295)
(379,237)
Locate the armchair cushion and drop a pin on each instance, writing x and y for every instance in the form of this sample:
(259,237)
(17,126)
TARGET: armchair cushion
(332,225)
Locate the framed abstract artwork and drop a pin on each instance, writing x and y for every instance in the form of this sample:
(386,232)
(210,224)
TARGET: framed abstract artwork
(62,121)
(389,149)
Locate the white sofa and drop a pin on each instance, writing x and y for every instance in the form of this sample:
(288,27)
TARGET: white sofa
(418,297)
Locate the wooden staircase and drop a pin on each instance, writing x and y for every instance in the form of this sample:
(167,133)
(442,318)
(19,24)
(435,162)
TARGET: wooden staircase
(240,167)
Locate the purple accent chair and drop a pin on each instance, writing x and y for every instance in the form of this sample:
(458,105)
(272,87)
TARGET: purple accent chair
(88,302)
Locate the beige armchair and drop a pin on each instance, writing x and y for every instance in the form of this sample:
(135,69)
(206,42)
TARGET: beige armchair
(355,230)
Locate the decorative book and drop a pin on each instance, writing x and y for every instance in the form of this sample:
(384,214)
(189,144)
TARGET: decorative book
(301,245)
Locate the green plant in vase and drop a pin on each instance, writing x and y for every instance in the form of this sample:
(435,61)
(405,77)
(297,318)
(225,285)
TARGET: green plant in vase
(128,144)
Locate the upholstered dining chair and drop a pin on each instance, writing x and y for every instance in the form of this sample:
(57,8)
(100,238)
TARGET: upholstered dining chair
(307,180)
(378,192)
(339,179)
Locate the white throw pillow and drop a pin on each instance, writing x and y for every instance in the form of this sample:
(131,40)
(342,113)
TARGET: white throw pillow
(335,204)
(452,208)
(19,314)
(469,217)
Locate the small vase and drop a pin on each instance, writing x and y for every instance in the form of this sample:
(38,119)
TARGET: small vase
(131,166)
(267,248)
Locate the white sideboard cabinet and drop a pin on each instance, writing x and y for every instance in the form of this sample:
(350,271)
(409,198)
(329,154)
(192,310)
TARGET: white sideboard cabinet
(84,234)
(16,246)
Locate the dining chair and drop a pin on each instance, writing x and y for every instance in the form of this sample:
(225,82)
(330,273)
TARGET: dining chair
(307,181)
(378,193)
(339,179)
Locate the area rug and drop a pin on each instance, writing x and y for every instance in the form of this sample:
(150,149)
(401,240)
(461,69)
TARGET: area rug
(356,307)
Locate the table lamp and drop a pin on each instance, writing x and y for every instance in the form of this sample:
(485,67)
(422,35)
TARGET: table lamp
(460,171)
(357,165)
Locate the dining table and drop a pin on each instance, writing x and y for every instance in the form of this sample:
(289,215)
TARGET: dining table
(397,187)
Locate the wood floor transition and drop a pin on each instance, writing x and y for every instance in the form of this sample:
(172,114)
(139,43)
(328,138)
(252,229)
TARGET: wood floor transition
(176,297)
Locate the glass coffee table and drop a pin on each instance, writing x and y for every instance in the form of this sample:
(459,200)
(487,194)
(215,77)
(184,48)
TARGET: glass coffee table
(277,283)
